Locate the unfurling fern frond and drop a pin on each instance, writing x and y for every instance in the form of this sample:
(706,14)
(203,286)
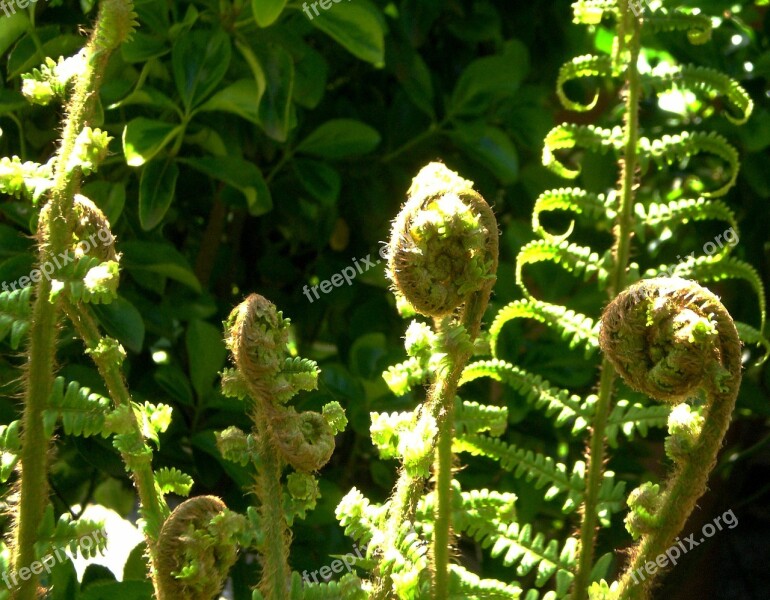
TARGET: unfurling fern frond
(173,481)
(15,310)
(578,329)
(578,260)
(710,82)
(81,411)
(671,214)
(698,27)
(536,390)
(28,179)
(579,67)
(595,208)
(568,136)
(671,149)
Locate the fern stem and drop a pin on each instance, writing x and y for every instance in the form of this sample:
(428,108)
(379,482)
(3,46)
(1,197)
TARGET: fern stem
(442,537)
(275,553)
(54,233)
(154,507)
(629,32)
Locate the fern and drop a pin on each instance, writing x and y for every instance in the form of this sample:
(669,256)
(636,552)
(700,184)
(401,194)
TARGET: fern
(10,444)
(578,260)
(537,390)
(15,311)
(578,329)
(81,411)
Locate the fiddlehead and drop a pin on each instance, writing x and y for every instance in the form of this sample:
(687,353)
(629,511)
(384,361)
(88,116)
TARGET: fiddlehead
(257,335)
(196,549)
(442,261)
(673,340)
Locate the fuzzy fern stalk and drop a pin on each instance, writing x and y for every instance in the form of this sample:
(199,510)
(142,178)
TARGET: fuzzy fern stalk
(267,377)
(442,261)
(672,339)
(78,145)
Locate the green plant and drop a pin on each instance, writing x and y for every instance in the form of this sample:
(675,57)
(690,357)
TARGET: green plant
(689,325)
(218,108)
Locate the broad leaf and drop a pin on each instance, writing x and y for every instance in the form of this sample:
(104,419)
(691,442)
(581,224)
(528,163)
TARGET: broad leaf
(156,191)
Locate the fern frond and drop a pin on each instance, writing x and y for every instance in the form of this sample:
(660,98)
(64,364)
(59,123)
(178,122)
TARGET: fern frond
(518,545)
(670,149)
(28,179)
(631,417)
(536,390)
(710,82)
(404,376)
(359,517)
(698,27)
(717,268)
(532,465)
(578,260)
(568,136)
(472,417)
(578,329)
(591,12)
(464,585)
(671,214)
(579,67)
(81,411)
(301,373)
(89,279)
(10,446)
(593,207)
(173,481)
(83,536)
(15,311)
(349,587)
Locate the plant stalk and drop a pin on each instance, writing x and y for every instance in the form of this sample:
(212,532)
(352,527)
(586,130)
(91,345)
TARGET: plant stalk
(629,26)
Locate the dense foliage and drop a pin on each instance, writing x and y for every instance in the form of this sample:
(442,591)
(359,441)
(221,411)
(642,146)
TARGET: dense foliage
(245,147)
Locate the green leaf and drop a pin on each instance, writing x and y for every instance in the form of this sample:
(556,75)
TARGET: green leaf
(487,78)
(240,174)
(144,138)
(122,321)
(161,258)
(156,191)
(267,11)
(275,108)
(319,179)
(358,28)
(205,354)
(200,60)
(241,98)
(340,138)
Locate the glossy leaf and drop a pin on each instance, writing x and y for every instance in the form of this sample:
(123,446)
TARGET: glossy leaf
(340,138)
(156,191)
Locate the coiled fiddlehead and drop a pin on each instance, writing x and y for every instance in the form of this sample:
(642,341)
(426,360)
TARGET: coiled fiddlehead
(443,245)
(196,549)
(673,339)
(257,336)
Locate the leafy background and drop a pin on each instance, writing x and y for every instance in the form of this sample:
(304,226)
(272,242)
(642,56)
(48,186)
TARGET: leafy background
(258,150)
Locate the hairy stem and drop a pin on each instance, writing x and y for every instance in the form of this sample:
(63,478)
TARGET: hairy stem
(54,234)
(154,507)
(629,30)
